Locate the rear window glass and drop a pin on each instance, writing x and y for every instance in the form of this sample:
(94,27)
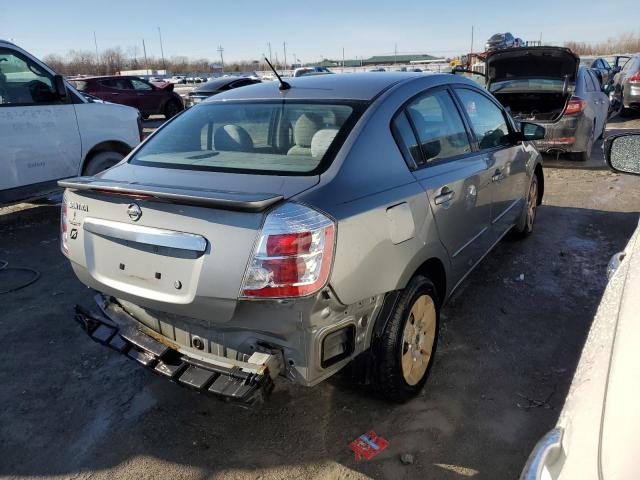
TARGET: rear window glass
(81,85)
(288,138)
(528,84)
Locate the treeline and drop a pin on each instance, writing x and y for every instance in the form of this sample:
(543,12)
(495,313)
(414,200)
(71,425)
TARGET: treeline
(113,60)
(625,43)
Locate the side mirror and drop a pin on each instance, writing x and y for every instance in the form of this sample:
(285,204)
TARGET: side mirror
(623,152)
(530,132)
(59,86)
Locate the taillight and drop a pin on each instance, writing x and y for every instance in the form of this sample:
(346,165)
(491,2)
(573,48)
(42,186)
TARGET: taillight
(63,227)
(575,105)
(635,77)
(293,254)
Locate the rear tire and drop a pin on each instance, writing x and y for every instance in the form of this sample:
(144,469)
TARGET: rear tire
(404,354)
(100,162)
(171,109)
(586,155)
(530,209)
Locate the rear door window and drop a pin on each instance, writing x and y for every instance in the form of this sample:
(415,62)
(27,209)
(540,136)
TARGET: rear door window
(487,119)
(140,85)
(438,126)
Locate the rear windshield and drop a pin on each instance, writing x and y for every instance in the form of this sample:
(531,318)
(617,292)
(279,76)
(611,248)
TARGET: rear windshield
(287,138)
(529,84)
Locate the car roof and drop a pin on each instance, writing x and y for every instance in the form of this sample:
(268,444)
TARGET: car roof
(219,82)
(346,86)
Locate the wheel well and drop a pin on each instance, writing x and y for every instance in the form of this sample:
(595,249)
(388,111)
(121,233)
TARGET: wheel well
(434,270)
(111,146)
(539,174)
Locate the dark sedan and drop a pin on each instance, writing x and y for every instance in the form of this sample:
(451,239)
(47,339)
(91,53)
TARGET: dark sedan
(149,98)
(216,86)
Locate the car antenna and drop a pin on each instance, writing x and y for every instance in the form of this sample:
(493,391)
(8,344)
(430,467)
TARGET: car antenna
(283,85)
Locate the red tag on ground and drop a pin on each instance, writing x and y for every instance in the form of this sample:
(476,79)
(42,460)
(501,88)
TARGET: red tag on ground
(368,445)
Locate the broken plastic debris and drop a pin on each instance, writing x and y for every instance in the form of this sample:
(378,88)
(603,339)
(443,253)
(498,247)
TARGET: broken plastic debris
(368,445)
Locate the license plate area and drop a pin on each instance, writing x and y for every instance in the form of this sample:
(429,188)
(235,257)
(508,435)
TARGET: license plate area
(155,272)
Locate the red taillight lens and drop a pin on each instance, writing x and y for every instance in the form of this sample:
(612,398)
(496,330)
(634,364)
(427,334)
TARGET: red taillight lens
(63,227)
(575,105)
(635,77)
(288,244)
(293,255)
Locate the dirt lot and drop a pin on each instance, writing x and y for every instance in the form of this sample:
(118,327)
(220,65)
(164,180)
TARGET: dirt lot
(72,408)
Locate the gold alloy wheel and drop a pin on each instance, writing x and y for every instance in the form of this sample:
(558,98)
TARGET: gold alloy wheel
(418,338)
(532,203)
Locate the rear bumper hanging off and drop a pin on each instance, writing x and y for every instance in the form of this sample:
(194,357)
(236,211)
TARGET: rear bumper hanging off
(245,382)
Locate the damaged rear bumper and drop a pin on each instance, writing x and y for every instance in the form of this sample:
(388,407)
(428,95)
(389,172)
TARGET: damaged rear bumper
(245,382)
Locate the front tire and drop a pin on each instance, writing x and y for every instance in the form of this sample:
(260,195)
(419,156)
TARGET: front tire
(405,351)
(100,162)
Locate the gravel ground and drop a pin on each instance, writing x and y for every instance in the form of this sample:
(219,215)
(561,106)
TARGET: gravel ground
(70,408)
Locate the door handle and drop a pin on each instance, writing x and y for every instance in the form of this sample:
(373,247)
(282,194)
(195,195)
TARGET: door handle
(446,194)
(497,176)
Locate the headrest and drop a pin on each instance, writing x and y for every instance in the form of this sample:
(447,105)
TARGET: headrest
(321,141)
(306,126)
(232,138)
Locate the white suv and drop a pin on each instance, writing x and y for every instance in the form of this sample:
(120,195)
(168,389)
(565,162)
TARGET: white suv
(49,131)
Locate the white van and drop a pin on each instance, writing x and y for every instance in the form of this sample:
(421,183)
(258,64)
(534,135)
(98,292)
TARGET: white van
(49,131)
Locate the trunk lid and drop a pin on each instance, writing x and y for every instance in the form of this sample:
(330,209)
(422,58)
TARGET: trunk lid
(175,241)
(553,63)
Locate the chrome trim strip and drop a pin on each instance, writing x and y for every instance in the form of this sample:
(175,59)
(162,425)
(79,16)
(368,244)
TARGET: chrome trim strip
(475,237)
(505,211)
(146,235)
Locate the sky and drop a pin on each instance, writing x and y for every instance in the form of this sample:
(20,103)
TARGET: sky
(312,30)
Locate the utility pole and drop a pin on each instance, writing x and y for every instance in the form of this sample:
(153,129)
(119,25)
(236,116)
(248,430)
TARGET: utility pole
(284,45)
(471,51)
(95,41)
(164,65)
(342,58)
(270,57)
(144,49)
(395,53)
(220,50)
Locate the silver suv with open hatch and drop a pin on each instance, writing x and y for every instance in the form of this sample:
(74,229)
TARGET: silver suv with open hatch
(292,230)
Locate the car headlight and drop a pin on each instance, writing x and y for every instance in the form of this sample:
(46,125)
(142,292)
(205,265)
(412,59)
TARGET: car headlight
(546,459)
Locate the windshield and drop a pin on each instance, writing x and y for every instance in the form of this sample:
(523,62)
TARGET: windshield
(527,85)
(283,138)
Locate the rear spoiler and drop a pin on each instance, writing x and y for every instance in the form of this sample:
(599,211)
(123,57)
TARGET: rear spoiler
(246,202)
